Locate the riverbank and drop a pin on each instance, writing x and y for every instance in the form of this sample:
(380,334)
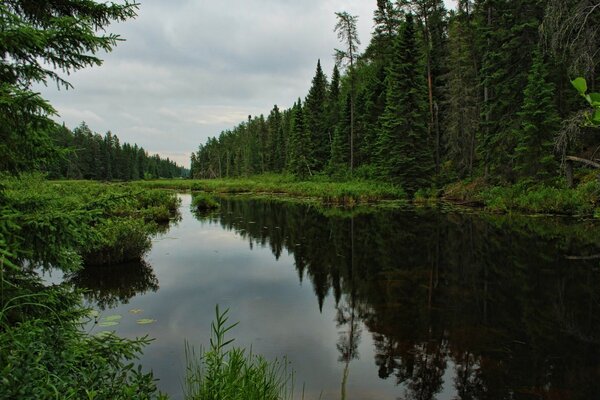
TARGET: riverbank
(525,198)
(67,227)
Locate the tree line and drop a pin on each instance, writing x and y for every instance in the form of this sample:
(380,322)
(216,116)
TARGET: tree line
(89,155)
(436,96)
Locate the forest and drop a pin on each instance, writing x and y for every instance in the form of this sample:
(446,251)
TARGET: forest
(480,93)
(88,155)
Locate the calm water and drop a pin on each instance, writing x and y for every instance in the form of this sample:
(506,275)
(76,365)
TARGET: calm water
(409,304)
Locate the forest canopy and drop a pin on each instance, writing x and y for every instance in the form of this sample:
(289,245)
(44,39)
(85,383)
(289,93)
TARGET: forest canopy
(437,95)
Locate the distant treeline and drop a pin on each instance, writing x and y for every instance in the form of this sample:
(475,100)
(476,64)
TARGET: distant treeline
(436,96)
(89,155)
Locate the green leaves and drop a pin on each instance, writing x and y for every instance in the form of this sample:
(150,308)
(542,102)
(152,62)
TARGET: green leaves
(593,99)
(580,84)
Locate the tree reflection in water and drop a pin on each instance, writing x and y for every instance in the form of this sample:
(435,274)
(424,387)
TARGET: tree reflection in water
(109,286)
(511,305)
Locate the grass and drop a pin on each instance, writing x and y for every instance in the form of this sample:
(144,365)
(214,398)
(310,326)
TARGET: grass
(329,192)
(232,373)
(529,197)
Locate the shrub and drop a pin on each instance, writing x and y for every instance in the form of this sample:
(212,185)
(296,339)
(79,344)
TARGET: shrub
(204,202)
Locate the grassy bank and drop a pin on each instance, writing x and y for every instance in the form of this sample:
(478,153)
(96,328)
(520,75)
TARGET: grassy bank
(525,197)
(326,191)
(43,351)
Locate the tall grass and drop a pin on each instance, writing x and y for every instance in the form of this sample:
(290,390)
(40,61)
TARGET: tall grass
(233,373)
(332,192)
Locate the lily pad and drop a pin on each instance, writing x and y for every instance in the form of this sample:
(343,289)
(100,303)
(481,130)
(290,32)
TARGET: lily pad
(112,318)
(102,334)
(108,323)
(136,311)
(145,321)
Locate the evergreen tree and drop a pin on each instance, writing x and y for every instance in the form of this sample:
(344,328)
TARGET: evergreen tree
(539,121)
(276,154)
(315,116)
(299,162)
(340,148)
(508,35)
(463,100)
(403,145)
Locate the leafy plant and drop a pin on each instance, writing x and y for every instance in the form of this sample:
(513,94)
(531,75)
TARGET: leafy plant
(593,99)
(233,373)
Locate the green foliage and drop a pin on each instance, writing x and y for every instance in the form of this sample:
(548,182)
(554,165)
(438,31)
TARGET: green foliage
(45,354)
(89,155)
(204,202)
(539,121)
(233,373)
(319,187)
(300,160)
(540,198)
(119,240)
(315,116)
(592,117)
(36,40)
(404,148)
(57,223)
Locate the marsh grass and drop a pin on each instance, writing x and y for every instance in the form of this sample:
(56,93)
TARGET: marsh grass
(328,191)
(228,372)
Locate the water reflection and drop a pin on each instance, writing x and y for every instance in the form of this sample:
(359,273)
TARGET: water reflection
(505,307)
(109,286)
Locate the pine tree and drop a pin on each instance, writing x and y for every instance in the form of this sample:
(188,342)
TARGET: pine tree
(316,119)
(539,121)
(299,161)
(404,151)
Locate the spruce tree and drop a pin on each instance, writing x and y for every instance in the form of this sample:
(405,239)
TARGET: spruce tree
(404,150)
(539,121)
(275,154)
(316,119)
(340,148)
(299,162)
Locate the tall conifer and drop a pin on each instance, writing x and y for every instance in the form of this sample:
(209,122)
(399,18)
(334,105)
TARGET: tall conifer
(539,121)
(404,151)
(316,119)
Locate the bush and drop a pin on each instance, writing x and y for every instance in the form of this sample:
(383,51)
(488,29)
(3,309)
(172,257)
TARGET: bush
(204,202)
(44,354)
(119,240)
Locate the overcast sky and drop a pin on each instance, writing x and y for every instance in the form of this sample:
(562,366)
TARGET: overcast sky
(192,68)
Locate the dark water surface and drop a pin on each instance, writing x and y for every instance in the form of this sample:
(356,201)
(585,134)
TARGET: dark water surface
(414,304)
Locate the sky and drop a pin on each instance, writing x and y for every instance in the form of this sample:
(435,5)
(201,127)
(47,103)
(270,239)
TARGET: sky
(188,69)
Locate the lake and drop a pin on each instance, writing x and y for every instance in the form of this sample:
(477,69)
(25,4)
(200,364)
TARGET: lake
(411,303)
